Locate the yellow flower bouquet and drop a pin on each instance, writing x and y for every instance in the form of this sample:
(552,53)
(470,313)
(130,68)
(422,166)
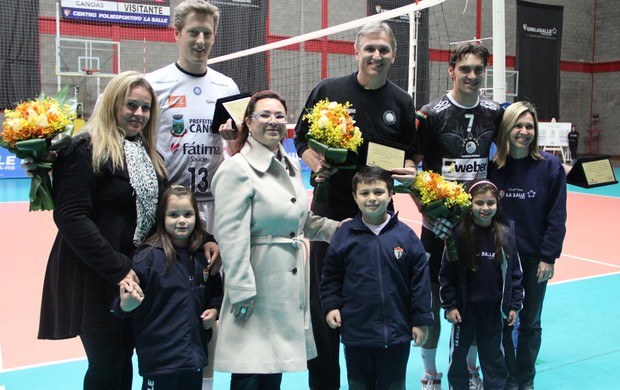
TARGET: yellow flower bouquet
(440,198)
(333,134)
(34,129)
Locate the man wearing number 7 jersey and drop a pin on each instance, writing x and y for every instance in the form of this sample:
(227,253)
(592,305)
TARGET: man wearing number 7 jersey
(187,91)
(454,136)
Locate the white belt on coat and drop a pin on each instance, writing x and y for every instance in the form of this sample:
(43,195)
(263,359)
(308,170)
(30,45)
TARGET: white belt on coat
(297,242)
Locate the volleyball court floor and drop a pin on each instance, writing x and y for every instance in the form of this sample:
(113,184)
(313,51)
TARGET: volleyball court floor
(581,341)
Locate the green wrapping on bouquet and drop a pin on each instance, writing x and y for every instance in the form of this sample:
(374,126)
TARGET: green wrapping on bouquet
(41,191)
(35,148)
(38,149)
(438,209)
(451,248)
(336,157)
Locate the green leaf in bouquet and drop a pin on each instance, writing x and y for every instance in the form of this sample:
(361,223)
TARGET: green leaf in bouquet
(61,96)
(62,140)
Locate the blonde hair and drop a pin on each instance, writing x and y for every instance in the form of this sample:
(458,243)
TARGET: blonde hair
(107,138)
(509,120)
(197,6)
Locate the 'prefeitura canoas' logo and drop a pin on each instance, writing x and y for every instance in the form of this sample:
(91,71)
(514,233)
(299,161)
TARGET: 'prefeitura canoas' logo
(178,131)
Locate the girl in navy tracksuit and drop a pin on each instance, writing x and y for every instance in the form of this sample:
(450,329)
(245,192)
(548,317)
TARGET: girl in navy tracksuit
(173,318)
(481,289)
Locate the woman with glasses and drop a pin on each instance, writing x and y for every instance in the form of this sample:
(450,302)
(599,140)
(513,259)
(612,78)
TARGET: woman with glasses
(262,219)
(533,187)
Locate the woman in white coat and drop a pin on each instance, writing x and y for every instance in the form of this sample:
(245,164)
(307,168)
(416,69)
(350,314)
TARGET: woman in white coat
(262,219)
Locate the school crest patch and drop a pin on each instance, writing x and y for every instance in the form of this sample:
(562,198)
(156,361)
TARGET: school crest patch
(398,252)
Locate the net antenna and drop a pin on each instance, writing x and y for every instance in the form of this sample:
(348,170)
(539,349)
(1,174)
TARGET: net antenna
(412,80)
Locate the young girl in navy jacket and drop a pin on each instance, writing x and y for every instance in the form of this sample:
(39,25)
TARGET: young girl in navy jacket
(481,289)
(173,318)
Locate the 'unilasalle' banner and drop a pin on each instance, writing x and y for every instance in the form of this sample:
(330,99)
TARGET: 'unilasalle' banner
(539,42)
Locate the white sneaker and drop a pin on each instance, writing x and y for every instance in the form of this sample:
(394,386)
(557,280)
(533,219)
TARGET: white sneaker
(475,383)
(431,382)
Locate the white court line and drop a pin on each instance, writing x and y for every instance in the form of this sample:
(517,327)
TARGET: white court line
(588,277)
(410,220)
(592,261)
(563,255)
(46,364)
(584,278)
(597,195)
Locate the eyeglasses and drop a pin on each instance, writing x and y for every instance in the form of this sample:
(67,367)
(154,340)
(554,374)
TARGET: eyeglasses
(266,116)
(528,126)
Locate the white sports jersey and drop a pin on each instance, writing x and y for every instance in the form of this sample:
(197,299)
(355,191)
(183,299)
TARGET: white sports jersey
(192,150)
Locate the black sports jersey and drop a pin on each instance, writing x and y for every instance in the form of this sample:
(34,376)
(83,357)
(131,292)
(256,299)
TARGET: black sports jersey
(455,140)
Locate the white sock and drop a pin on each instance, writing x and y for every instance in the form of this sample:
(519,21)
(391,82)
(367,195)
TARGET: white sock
(207,383)
(428,360)
(472,355)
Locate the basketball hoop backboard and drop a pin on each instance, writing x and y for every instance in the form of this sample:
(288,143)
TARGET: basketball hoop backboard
(83,57)
(512,83)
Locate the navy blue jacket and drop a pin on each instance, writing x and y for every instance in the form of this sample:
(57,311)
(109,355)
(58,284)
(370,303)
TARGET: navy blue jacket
(453,279)
(96,219)
(380,283)
(534,196)
(169,334)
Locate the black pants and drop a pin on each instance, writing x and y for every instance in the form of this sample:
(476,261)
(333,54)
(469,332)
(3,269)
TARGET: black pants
(324,370)
(255,381)
(481,321)
(434,246)
(109,359)
(521,363)
(573,151)
(377,368)
(186,380)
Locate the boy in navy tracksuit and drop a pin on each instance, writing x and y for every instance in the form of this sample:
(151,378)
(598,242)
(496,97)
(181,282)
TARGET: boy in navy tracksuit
(375,286)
